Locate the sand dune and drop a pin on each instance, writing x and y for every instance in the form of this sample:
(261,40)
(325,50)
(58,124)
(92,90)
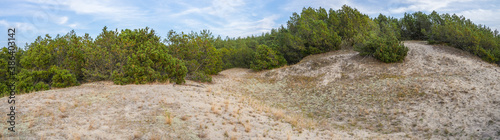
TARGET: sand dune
(437,92)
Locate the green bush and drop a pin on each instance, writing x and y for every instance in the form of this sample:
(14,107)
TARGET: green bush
(4,72)
(38,55)
(36,80)
(200,76)
(62,78)
(266,58)
(461,33)
(25,81)
(486,55)
(387,49)
(41,86)
(391,53)
(313,31)
(367,45)
(118,78)
(145,59)
(197,52)
(102,56)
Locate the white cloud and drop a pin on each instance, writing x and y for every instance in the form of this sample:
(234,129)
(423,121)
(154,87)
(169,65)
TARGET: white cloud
(192,10)
(297,5)
(18,25)
(103,9)
(425,5)
(227,18)
(486,17)
(225,7)
(25,32)
(481,15)
(4,23)
(74,25)
(247,28)
(62,20)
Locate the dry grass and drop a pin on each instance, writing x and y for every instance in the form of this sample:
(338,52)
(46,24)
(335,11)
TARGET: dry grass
(51,96)
(215,109)
(185,117)
(209,90)
(236,112)
(202,134)
(295,119)
(137,135)
(62,108)
(168,118)
(42,137)
(91,125)
(278,114)
(155,137)
(233,137)
(248,127)
(226,103)
(319,102)
(76,136)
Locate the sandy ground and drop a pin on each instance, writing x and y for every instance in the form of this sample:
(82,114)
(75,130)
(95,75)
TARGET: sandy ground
(102,110)
(438,92)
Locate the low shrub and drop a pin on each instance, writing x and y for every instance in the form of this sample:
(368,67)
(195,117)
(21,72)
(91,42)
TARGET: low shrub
(41,86)
(386,49)
(391,53)
(145,59)
(266,58)
(200,76)
(62,78)
(36,80)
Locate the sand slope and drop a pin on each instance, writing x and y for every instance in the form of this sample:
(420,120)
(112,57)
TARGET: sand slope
(102,110)
(437,92)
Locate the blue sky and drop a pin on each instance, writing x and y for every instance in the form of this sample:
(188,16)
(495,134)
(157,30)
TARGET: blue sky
(233,18)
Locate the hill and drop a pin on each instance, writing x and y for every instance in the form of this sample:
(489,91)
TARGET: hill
(437,92)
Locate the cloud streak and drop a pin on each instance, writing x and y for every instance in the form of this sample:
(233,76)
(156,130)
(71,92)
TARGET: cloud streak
(228,18)
(425,5)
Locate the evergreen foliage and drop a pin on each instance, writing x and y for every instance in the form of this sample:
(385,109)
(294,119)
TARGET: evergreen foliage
(4,71)
(266,58)
(382,43)
(103,56)
(198,53)
(142,58)
(455,31)
(138,56)
(34,80)
(391,52)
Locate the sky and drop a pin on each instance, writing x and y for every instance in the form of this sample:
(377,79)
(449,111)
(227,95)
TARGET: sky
(233,18)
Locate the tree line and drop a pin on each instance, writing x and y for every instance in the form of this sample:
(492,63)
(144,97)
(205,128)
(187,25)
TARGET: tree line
(140,56)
